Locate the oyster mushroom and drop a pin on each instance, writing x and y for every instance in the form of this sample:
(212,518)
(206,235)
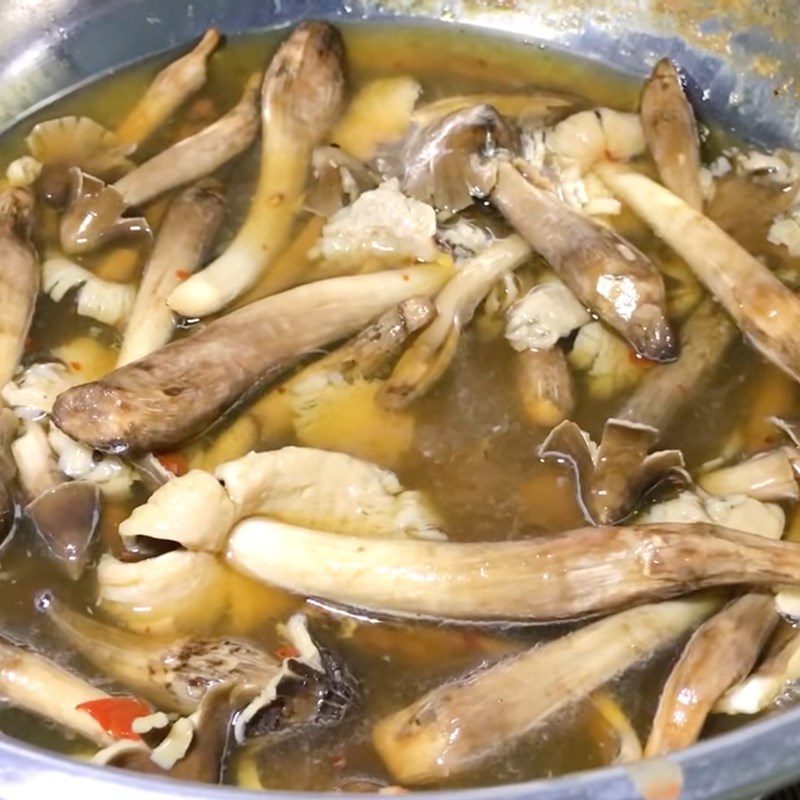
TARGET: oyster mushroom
(606,273)
(339,180)
(767,476)
(19,276)
(614,477)
(178,391)
(65,514)
(462,723)
(766,311)
(666,389)
(297,485)
(432,351)
(168,91)
(300,99)
(670,131)
(185,236)
(94,213)
(721,653)
(567,576)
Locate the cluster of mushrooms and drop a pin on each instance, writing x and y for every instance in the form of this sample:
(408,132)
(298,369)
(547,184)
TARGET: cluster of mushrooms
(383,226)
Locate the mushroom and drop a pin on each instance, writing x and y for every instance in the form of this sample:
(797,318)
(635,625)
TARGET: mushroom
(184,239)
(606,273)
(462,723)
(720,653)
(767,476)
(544,386)
(297,485)
(766,311)
(339,180)
(65,514)
(178,391)
(159,595)
(566,576)
(106,301)
(613,478)
(37,685)
(431,353)
(666,389)
(94,213)
(300,99)
(779,668)
(19,276)
(670,130)
(170,88)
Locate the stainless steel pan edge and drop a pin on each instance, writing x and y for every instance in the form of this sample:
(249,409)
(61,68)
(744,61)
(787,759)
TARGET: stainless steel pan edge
(744,60)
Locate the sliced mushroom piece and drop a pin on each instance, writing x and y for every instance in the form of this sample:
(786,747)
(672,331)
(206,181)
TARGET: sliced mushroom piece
(779,668)
(178,391)
(613,478)
(544,385)
(766,311)
(606,273)
(172,674)
(432,352)
(460,724)
(721,653)
(35,461)
(35,684)
(19,277)
(301,97)
(666,389)
(449,162)
(183,240)
(670,130)
(766,476)
(66,519)
(339,180)
(567,576)
(94,214)
(171,87)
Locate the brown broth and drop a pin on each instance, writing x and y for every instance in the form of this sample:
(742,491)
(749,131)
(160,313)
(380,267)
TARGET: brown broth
(472,449)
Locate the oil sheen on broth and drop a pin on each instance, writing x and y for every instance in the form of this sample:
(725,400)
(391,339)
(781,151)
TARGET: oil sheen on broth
(473,449)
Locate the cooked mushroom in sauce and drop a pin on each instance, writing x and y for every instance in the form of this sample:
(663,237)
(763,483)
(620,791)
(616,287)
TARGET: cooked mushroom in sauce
(376,420)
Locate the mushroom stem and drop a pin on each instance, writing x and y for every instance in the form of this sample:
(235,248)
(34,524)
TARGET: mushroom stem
(568,576)
(766,311)
(19,277)
(178,391)
(720,653)
(34,683)
(169,90)
(666,389)
(301,98)
(544,386)
(183,240)
(618,282)
(428,358)
(460,724)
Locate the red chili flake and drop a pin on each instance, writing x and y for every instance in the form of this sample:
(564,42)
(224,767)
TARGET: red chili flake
(338,761)
(76,365)
(115,715)
(176,463)
(182,274)
(30,344)
(405,277)
(287,651)
(640,361)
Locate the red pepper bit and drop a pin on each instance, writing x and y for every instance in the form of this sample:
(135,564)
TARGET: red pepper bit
(115,715)
(640,361)
(182,274)
(338,761)
(30,344)
(176,463)
(287,651)
(76,365)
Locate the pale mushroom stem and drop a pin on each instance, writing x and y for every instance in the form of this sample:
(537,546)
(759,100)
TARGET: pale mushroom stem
(169,90)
